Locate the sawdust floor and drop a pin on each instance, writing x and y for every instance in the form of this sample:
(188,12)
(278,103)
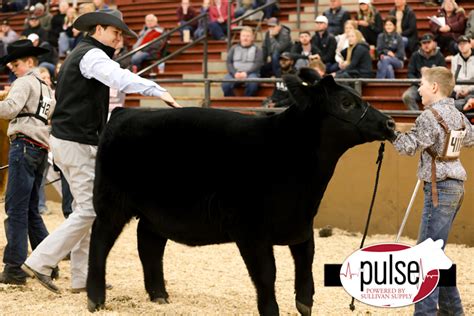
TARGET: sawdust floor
(209,280)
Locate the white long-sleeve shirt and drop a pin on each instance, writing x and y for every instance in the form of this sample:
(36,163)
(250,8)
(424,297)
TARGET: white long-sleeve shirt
(96,64)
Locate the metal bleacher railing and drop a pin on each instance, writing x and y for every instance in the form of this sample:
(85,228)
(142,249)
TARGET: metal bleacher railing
(356,83)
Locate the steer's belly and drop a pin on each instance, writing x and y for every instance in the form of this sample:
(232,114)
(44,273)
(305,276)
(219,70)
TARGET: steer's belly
(186,227)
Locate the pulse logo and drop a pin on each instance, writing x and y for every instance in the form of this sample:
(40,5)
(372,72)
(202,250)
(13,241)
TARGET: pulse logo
(393,274)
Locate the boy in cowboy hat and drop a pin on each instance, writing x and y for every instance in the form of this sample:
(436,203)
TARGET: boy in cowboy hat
(80,116)
(29,105)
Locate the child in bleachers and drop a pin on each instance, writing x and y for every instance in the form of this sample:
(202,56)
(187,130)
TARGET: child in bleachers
(390,50)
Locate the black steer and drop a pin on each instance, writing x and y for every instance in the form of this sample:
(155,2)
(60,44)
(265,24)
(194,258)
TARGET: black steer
(204,176)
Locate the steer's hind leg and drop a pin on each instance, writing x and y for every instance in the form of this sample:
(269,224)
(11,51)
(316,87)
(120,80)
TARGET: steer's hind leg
(104,235)
(304,286)
(151,247)
(260,262)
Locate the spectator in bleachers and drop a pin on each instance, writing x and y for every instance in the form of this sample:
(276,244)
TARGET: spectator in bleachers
(34,26)
(454,26)
(470,27)
(337,17)
(149,32)
(406,24)
(280,96)
(67,36)
(200,29)
(244,60)
(462,67)
(14,5)
(342,43)
(49,59)
(357,62)
(86,8)
(277,40)
(269,11)
(218,19)
(303,50)
(7,36)
(43,16)
(100,5)
(186,12)
(57,23)
(319,66)
(242,7)
(325,42)
(390,50)
(369,21)
(429,55)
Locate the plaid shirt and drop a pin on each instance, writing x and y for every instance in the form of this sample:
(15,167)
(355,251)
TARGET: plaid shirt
(427,132)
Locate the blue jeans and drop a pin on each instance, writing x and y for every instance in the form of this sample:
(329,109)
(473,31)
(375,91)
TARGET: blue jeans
(436,223)
(386,67)
(273,67)
(25,173)
(218,30)
(139,57)
(251,88)
(411,97)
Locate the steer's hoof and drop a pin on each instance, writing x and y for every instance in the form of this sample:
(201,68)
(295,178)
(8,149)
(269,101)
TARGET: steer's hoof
(304,310)
(160,300)
(92,307)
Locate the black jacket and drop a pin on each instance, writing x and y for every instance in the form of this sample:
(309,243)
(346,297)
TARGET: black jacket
(279,44)
(419,60)
(336,19)
(297,51)
(409,29)
(82,104)
(361,63)
(327,45)
(372,31)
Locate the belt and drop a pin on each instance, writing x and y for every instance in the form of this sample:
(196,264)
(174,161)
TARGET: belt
(29,140)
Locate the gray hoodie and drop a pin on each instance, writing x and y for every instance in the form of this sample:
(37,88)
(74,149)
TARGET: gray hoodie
(24,97)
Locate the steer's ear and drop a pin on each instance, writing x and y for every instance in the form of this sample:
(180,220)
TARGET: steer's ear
(328,82)
(309,75)
(299,90)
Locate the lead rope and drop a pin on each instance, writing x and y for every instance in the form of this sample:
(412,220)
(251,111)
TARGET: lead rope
(379,163)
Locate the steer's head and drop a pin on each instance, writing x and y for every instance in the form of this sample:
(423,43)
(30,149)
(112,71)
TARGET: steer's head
(338,107)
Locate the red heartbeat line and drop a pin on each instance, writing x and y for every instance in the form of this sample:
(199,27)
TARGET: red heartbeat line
(350,274)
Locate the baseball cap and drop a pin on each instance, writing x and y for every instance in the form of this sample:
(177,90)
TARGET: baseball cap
(286,55)
(463,38)
(321,19)
(33,37)
(364,1)
(428,37)
(33,17)
(273,21)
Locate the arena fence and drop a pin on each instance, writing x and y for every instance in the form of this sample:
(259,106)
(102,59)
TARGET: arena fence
(355,83)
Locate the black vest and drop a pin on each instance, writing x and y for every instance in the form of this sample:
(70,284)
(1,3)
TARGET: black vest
(82,104)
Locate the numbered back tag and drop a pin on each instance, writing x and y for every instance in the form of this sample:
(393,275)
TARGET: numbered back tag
(454,140)
(44,107)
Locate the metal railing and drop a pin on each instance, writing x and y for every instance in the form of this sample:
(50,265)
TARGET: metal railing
(166,35)
(358,83)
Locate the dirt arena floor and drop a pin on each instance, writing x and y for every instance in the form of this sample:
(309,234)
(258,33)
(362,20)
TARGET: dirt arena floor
(209,280)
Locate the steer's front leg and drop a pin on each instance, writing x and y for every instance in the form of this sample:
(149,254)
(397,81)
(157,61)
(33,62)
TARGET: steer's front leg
(260,262)
(304,286)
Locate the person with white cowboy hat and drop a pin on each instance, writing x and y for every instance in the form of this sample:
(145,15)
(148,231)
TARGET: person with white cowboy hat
(28,106)
(82,92)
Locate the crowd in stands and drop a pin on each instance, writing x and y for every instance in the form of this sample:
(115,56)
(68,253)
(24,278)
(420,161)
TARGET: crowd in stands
(358,45)
(350,47)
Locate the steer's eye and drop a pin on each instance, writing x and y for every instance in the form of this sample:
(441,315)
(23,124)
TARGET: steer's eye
(347,105)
